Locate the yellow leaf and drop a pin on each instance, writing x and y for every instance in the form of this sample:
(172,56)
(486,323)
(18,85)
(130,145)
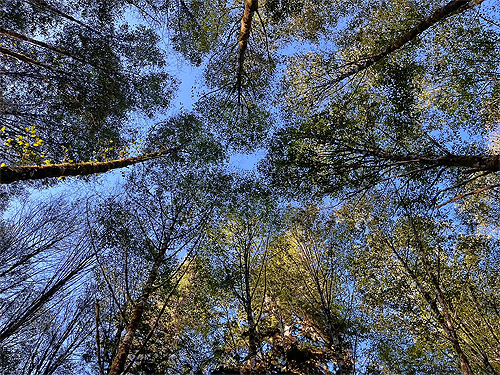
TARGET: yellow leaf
(3,129)
(2,165)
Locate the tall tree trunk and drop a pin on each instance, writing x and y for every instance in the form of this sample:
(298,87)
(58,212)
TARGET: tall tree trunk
(28,60)
(477,162)
(44,4)
(341,355)
(252,340)
(452,7)
(24,38)
(442,317)
(19,321)
(36,172)
(449,327)
(335,335)
(252,331)
(251,7)
(118,364)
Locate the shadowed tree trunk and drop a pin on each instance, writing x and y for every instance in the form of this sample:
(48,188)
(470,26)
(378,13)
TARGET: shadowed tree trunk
(22,319)
(478,162)
(23,58)
(437,305)
(118,364)
(252,331)
(43,4)
(443,318)
(24,38)
(311,262)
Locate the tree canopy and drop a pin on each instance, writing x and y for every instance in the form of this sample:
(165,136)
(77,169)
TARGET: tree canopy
(360,236)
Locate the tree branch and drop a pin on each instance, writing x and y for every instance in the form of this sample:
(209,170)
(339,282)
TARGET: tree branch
(24,38)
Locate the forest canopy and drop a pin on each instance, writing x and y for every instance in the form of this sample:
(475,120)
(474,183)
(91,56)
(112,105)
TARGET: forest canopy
(359,236)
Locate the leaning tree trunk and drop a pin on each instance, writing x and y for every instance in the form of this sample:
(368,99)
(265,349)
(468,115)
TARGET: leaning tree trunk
(35,172)
(443,317)
(440,14)
(118,364)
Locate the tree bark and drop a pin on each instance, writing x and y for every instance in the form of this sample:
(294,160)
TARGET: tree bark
(477,162)
(453,7)
(118,364)
(36,172)
(251,7)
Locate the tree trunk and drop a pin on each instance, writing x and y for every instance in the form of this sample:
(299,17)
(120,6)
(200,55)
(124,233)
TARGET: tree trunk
(14,326)
(341,355)
(36,172)
(443,318)
(252,332)
(24,38)
(478,162)
(450,330)
(29,60)
(251,7)
(118,364)
(44,4)
(252,341)
(449,9)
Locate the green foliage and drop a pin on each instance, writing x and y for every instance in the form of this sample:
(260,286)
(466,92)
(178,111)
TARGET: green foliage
(83,79)
(366,242)
(197,144)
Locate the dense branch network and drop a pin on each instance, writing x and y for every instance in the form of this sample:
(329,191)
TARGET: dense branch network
(185,257)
